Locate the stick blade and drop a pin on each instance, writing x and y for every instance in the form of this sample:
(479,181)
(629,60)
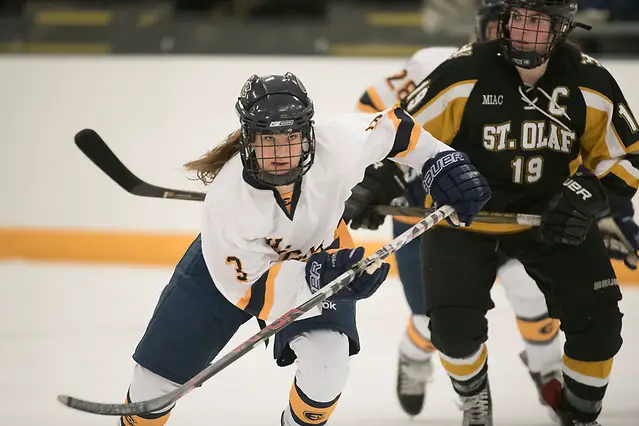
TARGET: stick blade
(94,147)
(131,409)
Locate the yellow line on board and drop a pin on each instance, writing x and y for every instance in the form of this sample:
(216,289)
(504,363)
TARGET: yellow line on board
(89,18)
(394,19)
(62,48)
(373,49)
(139,249)
(65,245)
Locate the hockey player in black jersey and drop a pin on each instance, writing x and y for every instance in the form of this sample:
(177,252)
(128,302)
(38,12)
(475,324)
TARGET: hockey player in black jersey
(529,109)
(401,186)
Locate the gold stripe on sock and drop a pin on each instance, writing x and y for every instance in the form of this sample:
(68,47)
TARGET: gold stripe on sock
(308,411)
(538,331)
(465,369)
(598,369)
(418,340)
(147,420)
(593,374)
(141,421)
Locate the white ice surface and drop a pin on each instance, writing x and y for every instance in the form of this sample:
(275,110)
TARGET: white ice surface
(71,329)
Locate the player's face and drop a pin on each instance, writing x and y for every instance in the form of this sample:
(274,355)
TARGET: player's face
(529,30)
(277,154)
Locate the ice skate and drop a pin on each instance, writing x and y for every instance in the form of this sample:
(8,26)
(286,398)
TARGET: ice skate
(478,409)
(552,393)
(412,377)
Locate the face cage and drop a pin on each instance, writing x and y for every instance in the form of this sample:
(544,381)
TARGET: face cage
(254,165)
(558,31)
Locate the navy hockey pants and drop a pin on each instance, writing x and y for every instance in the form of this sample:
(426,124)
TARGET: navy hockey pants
(192,322)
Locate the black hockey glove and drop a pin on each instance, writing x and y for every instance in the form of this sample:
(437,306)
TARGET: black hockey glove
(581,201)
(450,179)
(323,267)
(382,183)
(621,235)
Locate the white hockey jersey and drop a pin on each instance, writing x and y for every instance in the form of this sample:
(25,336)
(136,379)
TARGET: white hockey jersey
(390,90)
(255,244)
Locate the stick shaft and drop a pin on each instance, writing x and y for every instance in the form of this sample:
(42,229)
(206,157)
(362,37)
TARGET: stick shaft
(483,217)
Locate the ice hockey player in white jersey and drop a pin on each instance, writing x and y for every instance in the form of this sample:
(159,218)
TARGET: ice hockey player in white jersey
(272,234)
(540,333)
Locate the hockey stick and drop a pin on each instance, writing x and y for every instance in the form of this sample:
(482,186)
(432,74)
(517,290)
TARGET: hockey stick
(484,217)
(610,230)
(94,147)
(143,407)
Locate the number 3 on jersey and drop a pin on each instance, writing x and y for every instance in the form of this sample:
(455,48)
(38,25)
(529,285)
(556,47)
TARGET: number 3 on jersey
(241,275)
(529,171)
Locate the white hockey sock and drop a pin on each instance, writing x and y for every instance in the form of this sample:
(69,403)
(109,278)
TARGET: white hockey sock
(146,385)
(415,343)
(322,369)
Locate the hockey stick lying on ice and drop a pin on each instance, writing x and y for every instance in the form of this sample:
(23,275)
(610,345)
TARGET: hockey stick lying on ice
(484,217)
(92,145)
(143,407)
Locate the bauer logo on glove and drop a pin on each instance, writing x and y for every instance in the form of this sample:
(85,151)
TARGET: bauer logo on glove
(439,165)
(575,187)
(323,267)
(580,202)
(451,179)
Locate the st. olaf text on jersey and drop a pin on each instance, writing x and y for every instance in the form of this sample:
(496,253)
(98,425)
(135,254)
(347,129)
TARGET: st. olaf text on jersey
(288,254)
(534,135)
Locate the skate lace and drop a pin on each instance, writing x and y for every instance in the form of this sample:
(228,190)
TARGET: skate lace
(475,408)
(413,375)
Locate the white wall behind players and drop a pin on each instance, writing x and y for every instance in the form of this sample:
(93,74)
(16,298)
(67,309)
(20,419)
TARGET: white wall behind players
(156,113)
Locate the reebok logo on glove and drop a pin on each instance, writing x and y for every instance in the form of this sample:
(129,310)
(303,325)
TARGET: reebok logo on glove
(577,189)
(439,165)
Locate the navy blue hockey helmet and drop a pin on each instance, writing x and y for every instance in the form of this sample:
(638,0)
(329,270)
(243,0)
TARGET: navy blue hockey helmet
(276,129)
(531,30)
(487,11)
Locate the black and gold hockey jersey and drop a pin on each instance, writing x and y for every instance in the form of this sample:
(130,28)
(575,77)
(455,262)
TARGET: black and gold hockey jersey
(527,140)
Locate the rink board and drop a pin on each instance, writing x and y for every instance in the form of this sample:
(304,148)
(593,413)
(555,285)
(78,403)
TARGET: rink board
(156,113)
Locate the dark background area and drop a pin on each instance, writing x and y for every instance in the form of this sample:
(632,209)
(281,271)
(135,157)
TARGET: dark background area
(288,27)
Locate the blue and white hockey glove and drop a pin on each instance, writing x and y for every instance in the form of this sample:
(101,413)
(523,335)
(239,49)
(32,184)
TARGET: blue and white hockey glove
(323,267)
(450,179)
(621,236)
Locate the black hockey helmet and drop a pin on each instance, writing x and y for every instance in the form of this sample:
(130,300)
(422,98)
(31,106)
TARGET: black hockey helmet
(487,11)
(550,20)
(273,105)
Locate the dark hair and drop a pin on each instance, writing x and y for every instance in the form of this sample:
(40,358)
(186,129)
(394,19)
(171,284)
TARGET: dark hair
(210,164)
